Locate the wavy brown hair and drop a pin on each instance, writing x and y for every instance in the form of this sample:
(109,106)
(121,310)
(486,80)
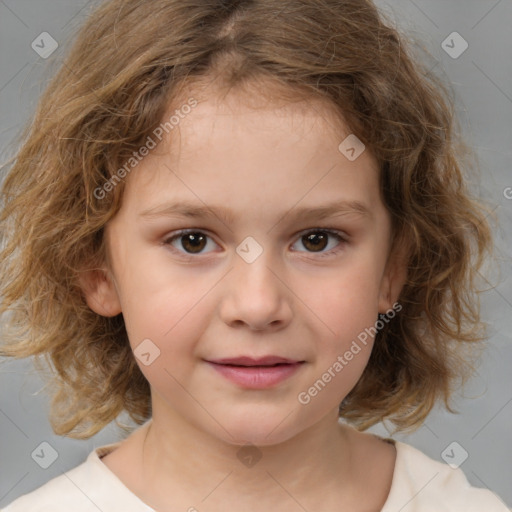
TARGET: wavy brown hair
(129,60)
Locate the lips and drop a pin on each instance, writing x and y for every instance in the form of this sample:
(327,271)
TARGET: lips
(261,373)
(249,361)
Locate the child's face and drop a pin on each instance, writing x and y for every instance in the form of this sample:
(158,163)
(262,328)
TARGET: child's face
(205,299)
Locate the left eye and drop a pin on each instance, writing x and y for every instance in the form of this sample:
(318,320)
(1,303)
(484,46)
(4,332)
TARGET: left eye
(315,241)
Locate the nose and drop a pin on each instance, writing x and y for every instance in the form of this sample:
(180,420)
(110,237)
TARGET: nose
(256,296)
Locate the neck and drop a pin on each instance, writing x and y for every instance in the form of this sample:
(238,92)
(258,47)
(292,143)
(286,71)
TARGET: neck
(194,468)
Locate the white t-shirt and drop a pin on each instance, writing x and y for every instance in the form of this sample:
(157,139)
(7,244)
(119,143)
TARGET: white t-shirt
(420,484)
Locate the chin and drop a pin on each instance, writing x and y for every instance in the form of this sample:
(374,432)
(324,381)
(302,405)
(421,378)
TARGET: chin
(258,429)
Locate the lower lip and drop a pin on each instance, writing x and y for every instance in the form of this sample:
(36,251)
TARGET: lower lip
(256,377)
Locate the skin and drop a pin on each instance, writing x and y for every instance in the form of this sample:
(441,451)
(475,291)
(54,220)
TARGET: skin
(262,160)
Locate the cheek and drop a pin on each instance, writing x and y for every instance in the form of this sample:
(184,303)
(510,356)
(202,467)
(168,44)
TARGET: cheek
(153,294)
(167,316)
(162,306)
(348,301)
(166,324)
(348,308)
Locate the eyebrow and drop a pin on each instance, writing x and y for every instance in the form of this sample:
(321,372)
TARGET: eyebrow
(196,211)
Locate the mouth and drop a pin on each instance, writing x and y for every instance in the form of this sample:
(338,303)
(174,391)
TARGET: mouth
(261,373)
(246,361)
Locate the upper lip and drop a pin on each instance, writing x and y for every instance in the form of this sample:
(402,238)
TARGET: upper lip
(250,361)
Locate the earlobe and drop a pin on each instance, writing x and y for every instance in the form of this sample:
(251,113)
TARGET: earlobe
(100,292)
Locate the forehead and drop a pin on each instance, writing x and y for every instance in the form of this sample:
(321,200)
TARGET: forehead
(262,103)
(231,149)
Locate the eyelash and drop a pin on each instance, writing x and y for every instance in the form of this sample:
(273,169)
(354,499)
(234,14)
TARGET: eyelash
(329,231)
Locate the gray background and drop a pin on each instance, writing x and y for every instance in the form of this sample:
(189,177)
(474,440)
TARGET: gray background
(482,80)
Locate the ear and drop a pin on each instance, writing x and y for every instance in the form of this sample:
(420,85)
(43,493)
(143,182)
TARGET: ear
(100,291)
(393,279)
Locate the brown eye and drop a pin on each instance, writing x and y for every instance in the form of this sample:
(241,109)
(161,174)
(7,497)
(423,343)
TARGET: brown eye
(193,242)
(316,241)
(188,242)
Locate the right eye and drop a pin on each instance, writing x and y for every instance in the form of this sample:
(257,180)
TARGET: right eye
(192,241)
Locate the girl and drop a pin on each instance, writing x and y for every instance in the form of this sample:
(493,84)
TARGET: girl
(240,222)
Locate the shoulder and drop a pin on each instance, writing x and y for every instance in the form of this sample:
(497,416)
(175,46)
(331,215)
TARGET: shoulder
(423,484)
(60,493)
(89,487)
